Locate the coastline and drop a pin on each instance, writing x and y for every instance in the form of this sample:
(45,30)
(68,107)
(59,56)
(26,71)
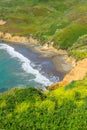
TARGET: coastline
(68,66)
(60,58)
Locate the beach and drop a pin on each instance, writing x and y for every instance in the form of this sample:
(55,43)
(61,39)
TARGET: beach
(60,58)
(51,63)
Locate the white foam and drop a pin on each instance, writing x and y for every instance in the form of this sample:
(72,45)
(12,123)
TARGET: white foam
(26,65)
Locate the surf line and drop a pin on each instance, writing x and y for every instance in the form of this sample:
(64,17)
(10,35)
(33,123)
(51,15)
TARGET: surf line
(26,65)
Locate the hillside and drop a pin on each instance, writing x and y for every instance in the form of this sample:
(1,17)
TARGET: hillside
(63,22)
(64,108)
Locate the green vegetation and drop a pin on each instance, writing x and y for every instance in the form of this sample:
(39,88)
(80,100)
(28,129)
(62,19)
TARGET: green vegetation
(67,37)
(79,49)
(30,109)
(61,21)
(64,22)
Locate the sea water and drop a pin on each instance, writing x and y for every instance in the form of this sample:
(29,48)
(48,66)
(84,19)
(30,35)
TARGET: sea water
(16,70)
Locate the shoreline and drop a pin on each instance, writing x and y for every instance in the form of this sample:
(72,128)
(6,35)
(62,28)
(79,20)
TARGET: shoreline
(63,63)
(33,71)
(60,58)
(47,67)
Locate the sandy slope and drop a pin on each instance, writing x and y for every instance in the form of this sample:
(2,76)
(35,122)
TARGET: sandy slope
(77,73)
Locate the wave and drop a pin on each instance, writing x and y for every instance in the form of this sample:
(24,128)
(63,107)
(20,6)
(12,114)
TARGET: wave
(26,65)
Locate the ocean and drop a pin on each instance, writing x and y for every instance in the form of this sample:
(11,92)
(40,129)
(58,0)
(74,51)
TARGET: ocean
(20,67)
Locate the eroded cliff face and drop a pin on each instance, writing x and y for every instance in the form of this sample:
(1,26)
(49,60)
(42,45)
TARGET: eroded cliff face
(20,39)
(77,73)
(10,37)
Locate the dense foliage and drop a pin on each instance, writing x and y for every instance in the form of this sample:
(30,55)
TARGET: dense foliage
(30,109)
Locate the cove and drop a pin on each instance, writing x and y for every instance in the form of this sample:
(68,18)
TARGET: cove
(20,67)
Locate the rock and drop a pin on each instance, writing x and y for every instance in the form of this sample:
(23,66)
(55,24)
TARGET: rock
(45,47)
(16,39)
(32,40)
(19,39)
(24,39)
(2,22)
(1,34)
(7,36)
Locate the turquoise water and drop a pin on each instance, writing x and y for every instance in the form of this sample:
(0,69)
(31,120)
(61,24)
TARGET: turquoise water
(16,70)
(11,73)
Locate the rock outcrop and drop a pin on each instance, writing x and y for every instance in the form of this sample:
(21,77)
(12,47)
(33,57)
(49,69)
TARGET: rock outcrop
(20,39)
(7,36)
(2,22)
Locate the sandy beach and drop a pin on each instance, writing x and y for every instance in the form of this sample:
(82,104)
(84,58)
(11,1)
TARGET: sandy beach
(59,58)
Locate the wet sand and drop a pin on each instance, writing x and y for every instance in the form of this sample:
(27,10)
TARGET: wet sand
(43,64)
(58,59)
(54,62)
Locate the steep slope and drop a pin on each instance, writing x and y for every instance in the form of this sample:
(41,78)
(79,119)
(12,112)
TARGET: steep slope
(77,73)
(63,108)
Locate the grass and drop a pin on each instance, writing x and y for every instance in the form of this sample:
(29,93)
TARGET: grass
(67,37)
(79,49)
(63,21)
(64,108)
